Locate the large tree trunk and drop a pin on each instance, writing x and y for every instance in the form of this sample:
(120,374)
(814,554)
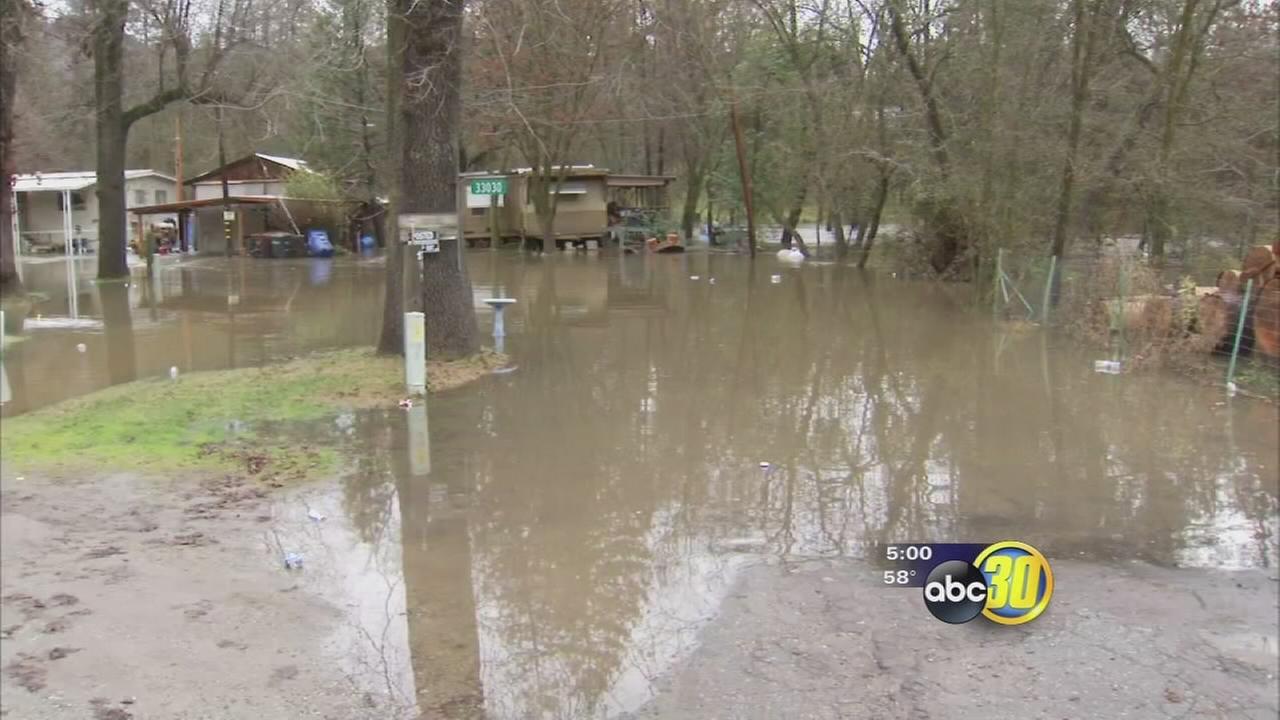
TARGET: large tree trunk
(112,133)
(10,38)
(430,87)
(391,339)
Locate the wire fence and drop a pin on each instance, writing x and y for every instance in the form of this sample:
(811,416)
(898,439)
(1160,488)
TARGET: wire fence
(1218,318)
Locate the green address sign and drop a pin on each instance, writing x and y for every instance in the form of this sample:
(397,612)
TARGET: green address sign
(489,186)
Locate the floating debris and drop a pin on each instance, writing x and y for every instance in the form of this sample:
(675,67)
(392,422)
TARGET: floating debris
(695,277)
(775,279)
(1108,367)
(292,561)
(406,403)
(315,515)
(173,372)
(81,347)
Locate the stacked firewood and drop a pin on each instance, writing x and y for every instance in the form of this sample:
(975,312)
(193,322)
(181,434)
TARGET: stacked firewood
(1218,313)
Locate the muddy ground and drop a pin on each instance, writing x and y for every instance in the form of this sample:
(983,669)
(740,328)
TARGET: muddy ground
(126,598)
(823,640)
(129,598)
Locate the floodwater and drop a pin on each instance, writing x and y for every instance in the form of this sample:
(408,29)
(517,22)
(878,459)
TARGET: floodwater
(549,542)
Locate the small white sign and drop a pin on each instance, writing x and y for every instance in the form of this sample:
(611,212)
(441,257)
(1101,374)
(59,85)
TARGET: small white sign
(228,215)
(426,240)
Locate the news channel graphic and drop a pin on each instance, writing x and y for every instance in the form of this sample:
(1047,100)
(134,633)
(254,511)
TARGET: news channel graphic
(1007,582)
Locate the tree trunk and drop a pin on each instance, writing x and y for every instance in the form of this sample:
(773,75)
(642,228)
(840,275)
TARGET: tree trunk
(10,38)
(744,174)
(867,231)
(1081,46)
(112,134)
(1188,43)
(391,339)
(792,221)
(836,224)
(429,84)
(693,190)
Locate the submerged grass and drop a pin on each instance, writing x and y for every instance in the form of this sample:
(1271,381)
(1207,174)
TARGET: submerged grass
(214,419)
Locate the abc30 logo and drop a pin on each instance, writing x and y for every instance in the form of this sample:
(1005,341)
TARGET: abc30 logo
(1010,583)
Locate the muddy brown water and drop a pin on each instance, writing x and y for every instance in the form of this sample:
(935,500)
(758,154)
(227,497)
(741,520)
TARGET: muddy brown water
(548,542)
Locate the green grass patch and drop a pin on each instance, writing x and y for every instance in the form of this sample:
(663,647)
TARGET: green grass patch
(215,419)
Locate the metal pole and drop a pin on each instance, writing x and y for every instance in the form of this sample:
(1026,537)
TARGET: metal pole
(66,222)
(1124,307)
(1048,289)
(226,193)
(1235,346)
(995,285)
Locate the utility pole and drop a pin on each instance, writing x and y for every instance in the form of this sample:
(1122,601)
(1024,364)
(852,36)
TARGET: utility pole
(177,172)
(177,154)
(227,216)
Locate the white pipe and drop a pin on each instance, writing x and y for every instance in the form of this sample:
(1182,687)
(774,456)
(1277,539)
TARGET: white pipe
(17,236)
(66,222)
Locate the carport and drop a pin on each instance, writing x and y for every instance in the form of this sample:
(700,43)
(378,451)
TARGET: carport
(199,223)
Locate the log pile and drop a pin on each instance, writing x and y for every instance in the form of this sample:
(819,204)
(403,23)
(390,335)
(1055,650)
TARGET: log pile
(1218,311)
(1209,316)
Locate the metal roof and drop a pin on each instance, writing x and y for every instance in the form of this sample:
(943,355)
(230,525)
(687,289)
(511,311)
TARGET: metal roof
(211,176)
(292,163)
(79,180)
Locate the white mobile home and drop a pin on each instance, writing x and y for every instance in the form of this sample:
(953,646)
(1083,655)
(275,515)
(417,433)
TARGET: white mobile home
(52,207)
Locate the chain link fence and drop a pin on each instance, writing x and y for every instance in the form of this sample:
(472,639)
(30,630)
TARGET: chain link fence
(1217,318)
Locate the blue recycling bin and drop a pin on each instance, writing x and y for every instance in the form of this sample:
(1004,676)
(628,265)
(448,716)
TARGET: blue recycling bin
(318,244)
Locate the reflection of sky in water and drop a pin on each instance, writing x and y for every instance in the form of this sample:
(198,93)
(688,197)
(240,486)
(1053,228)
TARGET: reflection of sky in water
(1226,538)
(686,581)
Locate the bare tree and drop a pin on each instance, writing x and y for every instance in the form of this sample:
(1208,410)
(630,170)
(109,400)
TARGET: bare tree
(113,120)
(424,76)
(11,34)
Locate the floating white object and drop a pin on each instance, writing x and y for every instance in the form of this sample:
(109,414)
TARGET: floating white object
(775,279)
(1231,389)
(791,256)
(173,372)
(406,404)
(315,515)
(764,463)
(695,277)
(711,280)
(81,347)
(1108,367)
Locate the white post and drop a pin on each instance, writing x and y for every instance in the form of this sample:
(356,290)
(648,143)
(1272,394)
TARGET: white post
(66,222)
(499,325)
(4,379)
(17,236)
(415,353)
